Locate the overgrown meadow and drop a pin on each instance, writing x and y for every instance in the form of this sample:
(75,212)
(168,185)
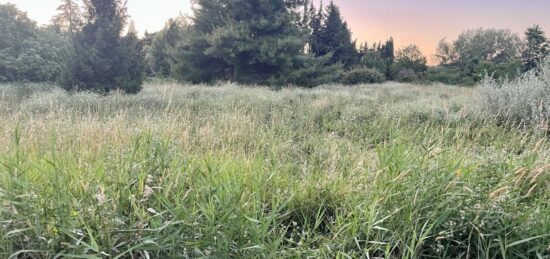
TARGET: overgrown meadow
(176,171)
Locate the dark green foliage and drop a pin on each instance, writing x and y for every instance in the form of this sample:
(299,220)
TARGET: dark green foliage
(159,52)
(305,17)
(335,38)
(448,75)
(103,60)
(193,65)
(133,64)
(28,53)
(316,18)
(362,76)
(310,71)
(147,43)
(277,42)
(537,48)
(246,41)
(44,57)
(504,70)
(387,52)
(372,58)
(380,57)
(15,27)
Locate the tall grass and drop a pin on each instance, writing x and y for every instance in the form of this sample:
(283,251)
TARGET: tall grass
(392,171)
(524,101)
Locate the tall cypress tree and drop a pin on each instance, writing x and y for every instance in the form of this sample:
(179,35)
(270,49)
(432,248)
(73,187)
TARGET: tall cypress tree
(101,59)
(336,38)
(245,41)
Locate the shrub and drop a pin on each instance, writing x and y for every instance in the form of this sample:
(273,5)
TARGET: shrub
(406,75)
(362,76)
(309,71)
(309,76)
(525,100)
(451,75)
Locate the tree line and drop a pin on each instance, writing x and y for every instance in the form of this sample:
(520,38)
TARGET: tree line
(92,45)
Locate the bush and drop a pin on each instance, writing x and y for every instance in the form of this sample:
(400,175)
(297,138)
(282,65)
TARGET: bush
(450,75)
(309,76)
(406,75)
(362,76)
(522,101)
(309,71)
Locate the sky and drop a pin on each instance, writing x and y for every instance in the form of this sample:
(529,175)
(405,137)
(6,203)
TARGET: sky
(420,22)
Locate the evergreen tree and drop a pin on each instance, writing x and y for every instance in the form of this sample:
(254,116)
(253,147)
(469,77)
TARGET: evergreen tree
(371,58)
(336,38)
(69,18)
(387,52)
(103,59)
(537,48)
(306,16)
(133,65)
(162,46)
(248,41)
(316,18)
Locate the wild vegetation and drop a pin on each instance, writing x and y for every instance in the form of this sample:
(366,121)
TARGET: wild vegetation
(392,170)
(91,45)
(198,162)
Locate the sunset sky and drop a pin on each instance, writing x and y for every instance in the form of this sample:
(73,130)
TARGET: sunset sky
(422,22)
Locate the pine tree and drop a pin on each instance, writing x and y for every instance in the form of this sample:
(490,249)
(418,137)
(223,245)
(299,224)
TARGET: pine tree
(537,48)
(246,41)
(163,44)
(69,18)
(306,16)
(336,38)
(315,24)
(371,58)
(210,14)
(103,60)
(133,65)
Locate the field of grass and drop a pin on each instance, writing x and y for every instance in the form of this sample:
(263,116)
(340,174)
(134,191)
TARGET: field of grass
(381,171)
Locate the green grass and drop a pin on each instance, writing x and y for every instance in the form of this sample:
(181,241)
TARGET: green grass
(387,171)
